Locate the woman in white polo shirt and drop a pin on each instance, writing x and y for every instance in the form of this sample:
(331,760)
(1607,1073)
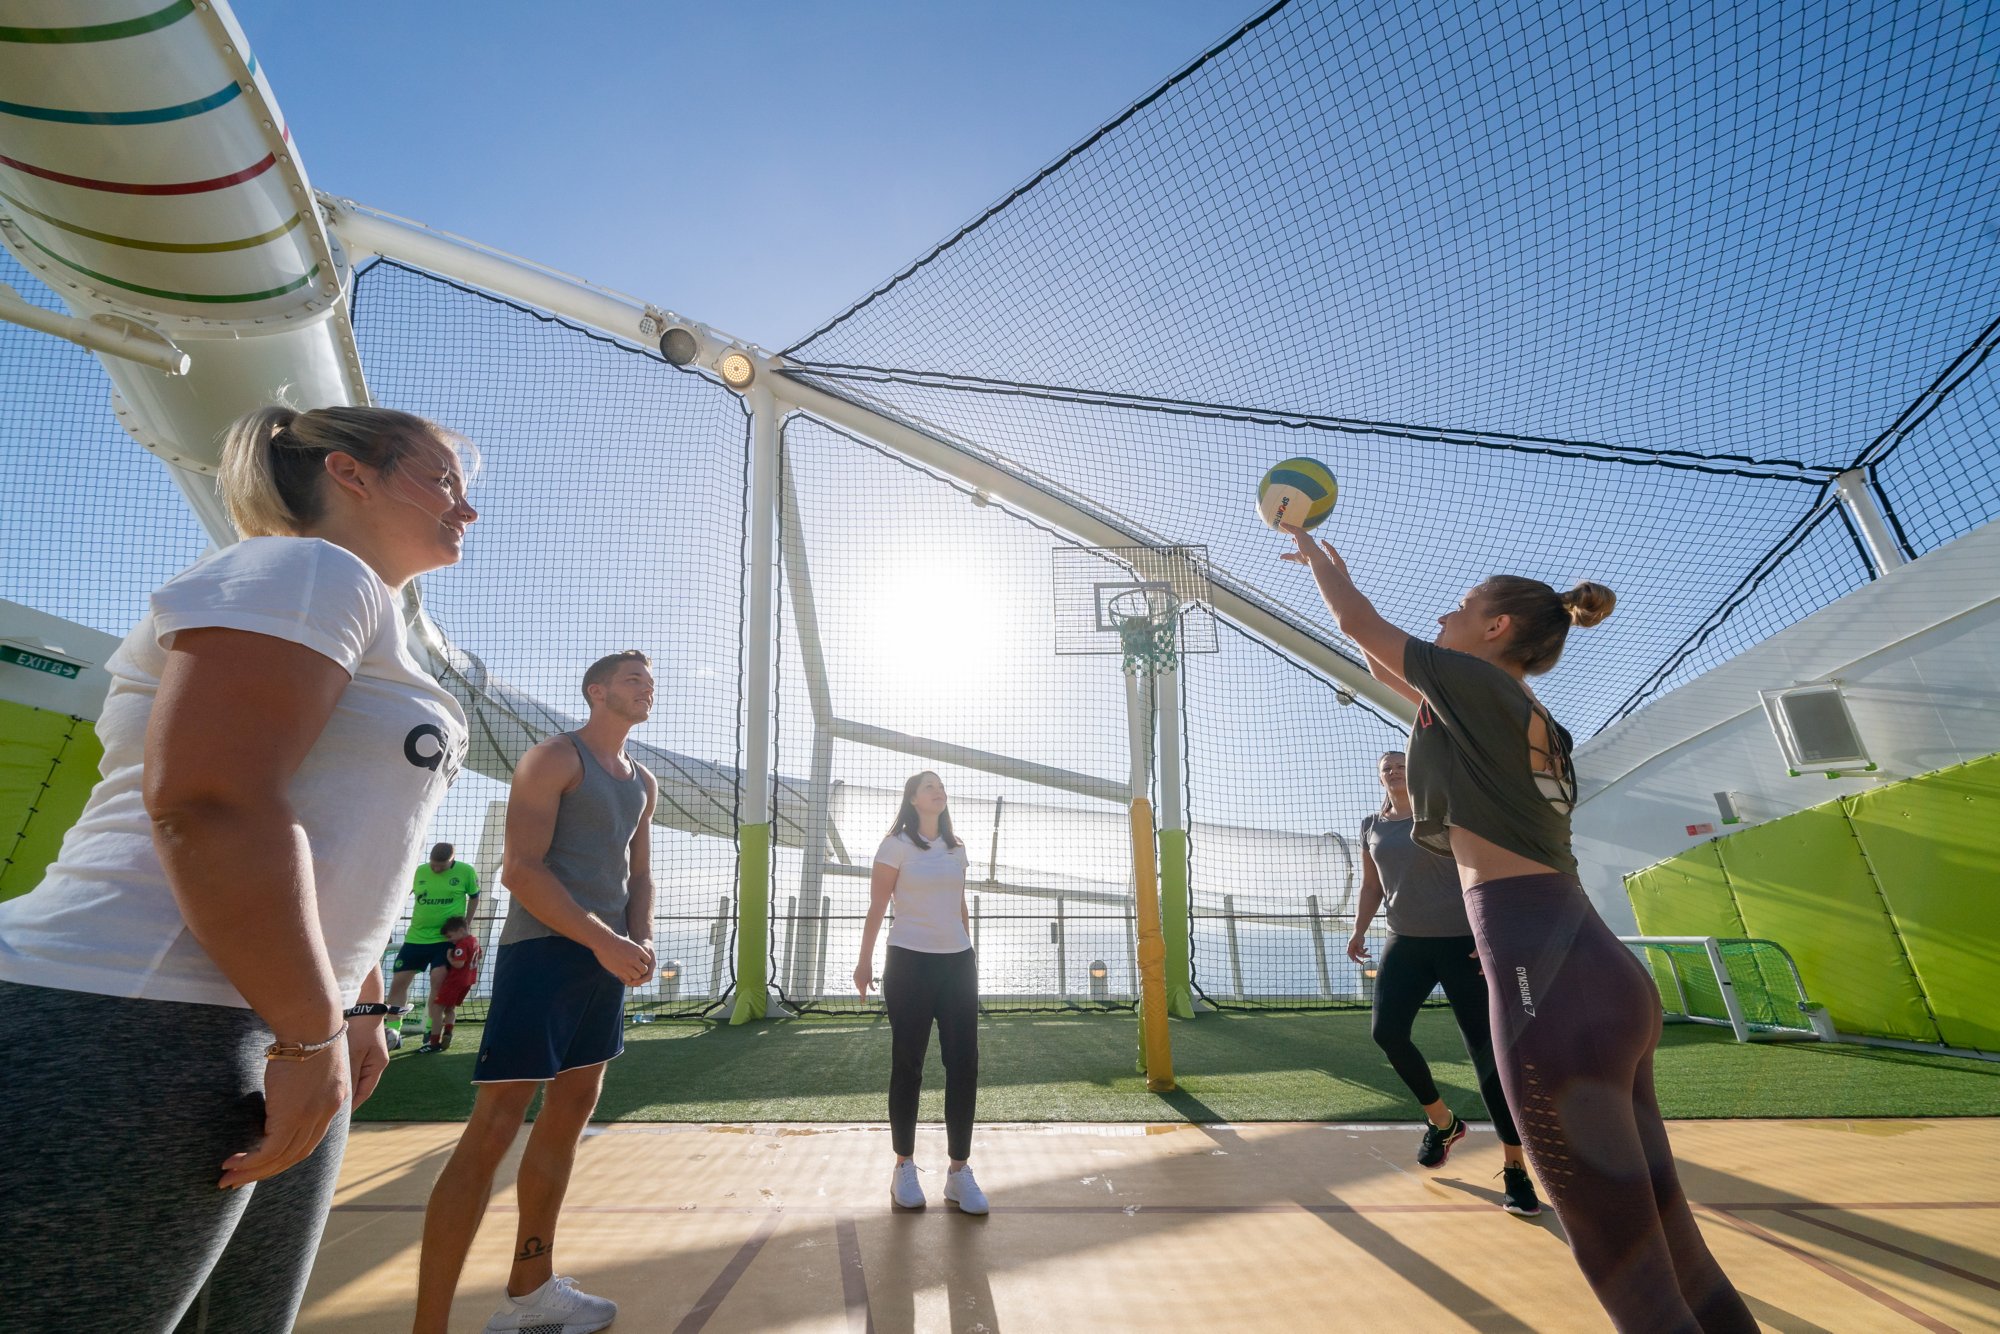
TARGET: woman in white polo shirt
(185,999)
(930,977)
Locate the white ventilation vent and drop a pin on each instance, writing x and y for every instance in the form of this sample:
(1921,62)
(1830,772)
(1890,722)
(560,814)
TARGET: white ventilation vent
(1815,730)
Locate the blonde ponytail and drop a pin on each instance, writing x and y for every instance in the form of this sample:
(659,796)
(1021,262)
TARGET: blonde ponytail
(1588,603)
(249,480)
(274,457)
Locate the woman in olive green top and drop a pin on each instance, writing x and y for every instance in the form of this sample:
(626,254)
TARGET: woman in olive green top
(1575,1017)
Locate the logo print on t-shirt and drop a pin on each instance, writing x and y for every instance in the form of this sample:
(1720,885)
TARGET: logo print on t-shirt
(427,748)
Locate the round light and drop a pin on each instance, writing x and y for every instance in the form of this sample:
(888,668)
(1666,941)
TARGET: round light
(670,969)
(1098,970)
(736,369)
(679,346)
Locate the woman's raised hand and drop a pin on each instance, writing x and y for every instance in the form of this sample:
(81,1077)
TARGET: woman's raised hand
(1309,551)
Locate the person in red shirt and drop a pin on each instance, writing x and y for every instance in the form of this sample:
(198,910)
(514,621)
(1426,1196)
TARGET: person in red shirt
(461,971)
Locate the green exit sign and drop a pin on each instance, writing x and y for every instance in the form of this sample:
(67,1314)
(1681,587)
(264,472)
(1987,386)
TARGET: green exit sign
(39,662)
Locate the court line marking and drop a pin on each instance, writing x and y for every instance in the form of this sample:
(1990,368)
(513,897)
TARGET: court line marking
(1838,1274)
(698,1315)
(1893,1249)
(853,1281)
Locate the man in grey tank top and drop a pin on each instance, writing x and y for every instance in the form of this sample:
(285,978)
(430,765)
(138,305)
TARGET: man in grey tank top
(579,931)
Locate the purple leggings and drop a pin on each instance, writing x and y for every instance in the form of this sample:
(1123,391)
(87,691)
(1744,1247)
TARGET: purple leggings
(1575,1020)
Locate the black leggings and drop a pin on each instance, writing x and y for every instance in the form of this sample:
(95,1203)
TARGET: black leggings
(918,988)
(1575,1021)
(1412,967)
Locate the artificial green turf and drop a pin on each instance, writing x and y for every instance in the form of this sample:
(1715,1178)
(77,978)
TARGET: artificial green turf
(1231,1067)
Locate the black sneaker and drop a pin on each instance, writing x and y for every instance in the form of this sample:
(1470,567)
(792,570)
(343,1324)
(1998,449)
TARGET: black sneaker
(1519,1192)
(430,1049)
(1437,1143)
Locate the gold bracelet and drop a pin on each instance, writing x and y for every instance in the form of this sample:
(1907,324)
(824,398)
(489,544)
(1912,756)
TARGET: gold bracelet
(302,1051)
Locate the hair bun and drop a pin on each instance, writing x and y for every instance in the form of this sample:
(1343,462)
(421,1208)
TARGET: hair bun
(1588,603)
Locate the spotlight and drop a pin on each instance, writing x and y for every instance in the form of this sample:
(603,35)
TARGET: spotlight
(1099,986)
(736,369)
(670,978)
(679,346)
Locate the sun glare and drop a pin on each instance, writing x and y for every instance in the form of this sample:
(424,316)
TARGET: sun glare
(936,627)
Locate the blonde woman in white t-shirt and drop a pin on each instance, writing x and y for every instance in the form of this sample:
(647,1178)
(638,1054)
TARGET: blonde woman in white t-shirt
(930,977)
(190,1001)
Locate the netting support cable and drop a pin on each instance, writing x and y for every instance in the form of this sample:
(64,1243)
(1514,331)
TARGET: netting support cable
(1885,553)
(753,881)
(1593,451)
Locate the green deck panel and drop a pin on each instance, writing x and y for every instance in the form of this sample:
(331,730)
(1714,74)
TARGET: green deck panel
(1803,882)
(48,764)
(1934,844)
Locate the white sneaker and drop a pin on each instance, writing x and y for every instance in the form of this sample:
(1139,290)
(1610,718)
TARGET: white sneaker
(905,1191)
(557,1307)
(961,1190)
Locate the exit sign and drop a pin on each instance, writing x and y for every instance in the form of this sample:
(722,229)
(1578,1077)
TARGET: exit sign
(1695,830)
(39,662)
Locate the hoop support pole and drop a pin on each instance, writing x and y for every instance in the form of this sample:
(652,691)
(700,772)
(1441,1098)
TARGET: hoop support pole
(1156,1053)
(1179,977)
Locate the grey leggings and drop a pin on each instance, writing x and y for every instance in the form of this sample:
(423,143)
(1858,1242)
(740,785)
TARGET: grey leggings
(114,1122)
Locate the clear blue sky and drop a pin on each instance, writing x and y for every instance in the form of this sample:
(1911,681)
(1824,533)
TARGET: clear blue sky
(758,167)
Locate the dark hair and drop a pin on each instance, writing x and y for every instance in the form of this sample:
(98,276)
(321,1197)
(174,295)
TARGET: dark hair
(908,822)
(1541,616)
(600,672)
(442,851)
(455,924)
(1387,805)
(274,457)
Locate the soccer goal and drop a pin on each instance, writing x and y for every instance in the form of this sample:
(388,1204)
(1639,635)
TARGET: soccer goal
(1749,986)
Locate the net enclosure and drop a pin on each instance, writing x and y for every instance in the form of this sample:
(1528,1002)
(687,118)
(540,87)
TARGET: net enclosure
(1617,292)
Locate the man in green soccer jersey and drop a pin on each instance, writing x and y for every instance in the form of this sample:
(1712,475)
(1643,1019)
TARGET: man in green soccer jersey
(444,889)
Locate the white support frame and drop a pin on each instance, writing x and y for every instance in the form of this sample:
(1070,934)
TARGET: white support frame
(1852,488)
(370,232)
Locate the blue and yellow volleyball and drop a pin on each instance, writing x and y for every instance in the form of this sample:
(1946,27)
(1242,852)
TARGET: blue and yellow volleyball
(1297,491)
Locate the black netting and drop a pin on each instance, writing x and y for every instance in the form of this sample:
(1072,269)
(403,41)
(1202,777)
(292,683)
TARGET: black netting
(611,502)
(932,634)
(1810,568)
(1419,521)
(1568,292)
(1942,479)
(1280,772)
(77,487)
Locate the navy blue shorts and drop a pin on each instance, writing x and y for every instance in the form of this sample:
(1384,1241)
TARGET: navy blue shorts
(554,1009)
(419,958)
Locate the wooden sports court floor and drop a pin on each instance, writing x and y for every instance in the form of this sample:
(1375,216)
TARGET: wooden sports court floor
(1824,1225)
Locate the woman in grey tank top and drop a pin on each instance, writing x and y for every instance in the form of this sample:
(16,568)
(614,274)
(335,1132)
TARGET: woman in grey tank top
(1430,945)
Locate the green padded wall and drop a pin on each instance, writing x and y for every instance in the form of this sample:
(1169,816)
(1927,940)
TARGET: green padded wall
(48,764)
(1686,895)
(1934,844)
(1803,882)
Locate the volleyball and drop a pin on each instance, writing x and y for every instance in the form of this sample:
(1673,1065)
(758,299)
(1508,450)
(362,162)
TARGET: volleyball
(1297,491)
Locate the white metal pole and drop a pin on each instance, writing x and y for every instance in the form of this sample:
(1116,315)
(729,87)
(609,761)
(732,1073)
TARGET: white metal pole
(1887,553)
(1167,695)
(112,335)
(1139,730)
